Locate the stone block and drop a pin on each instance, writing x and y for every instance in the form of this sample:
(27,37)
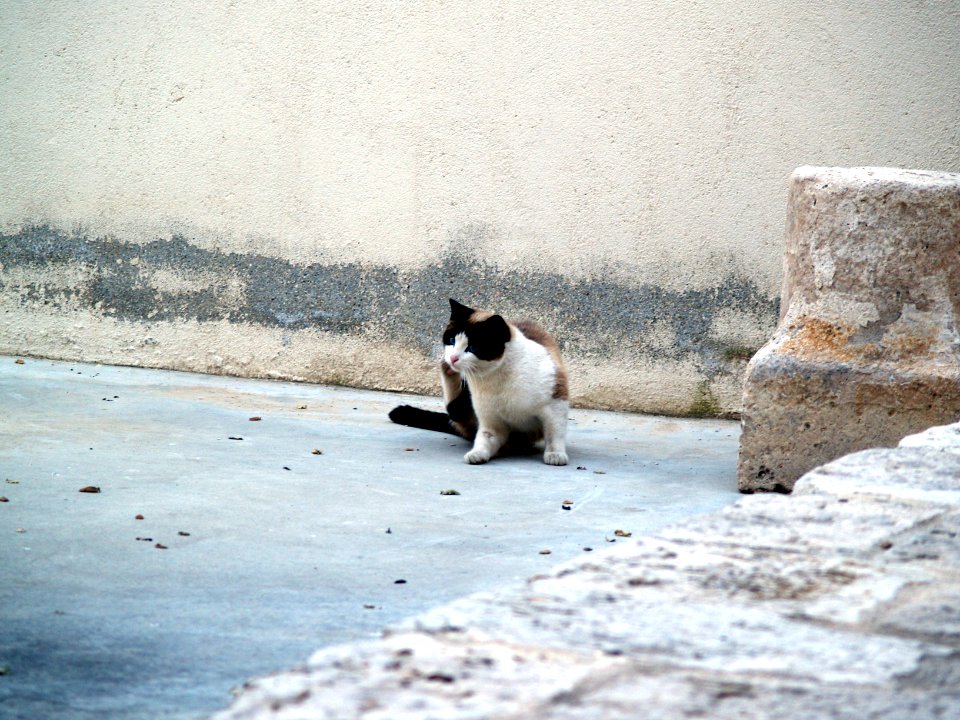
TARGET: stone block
(906,473)
(867,349)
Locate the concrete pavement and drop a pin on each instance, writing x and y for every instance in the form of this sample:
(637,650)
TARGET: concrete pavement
(254,552)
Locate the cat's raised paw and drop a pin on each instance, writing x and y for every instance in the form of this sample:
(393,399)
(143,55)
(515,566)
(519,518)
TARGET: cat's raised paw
(476,457)
(555,458)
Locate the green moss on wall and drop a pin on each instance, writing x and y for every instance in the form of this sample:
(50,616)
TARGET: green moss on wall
(705,403)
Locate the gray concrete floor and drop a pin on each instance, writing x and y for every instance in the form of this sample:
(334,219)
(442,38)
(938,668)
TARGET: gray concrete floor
(273,551)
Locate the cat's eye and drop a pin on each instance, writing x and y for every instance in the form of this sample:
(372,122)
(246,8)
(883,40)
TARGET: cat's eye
(451,341)
(470,349)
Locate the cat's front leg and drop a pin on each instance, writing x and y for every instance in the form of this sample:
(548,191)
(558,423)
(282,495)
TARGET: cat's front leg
(554,419)
(451,381)
(488,441)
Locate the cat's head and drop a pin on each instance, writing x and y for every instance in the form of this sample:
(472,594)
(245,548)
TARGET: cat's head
(474,340)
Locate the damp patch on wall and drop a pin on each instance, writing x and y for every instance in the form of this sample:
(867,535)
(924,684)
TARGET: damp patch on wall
(170,280)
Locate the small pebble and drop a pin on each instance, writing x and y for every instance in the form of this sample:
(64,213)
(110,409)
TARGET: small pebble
(138,517)
(256,418)
(90,489)
(544,552)
(316,452)
(158,546)
(401,581)
(183,534)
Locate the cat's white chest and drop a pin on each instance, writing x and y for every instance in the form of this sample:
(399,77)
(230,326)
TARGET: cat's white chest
(518,392)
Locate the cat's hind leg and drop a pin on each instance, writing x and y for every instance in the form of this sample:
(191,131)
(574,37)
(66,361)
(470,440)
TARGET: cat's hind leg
(554,419)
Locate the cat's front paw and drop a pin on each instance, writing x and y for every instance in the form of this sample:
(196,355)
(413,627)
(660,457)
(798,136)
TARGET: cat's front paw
(555,458)
(476,457)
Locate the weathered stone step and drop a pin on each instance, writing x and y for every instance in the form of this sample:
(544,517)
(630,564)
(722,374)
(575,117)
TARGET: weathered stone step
(867,349)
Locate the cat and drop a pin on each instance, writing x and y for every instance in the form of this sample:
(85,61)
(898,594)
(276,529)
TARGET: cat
(501,382)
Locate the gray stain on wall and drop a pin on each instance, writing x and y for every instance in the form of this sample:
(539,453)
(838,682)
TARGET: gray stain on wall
(594,317)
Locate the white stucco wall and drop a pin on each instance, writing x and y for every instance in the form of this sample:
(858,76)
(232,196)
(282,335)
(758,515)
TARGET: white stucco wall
(644,144)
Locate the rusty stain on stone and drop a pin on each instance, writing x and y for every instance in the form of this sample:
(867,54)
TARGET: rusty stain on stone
(812,337)
(815,339)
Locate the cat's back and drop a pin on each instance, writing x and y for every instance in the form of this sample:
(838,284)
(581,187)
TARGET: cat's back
(554,372)
(534,332)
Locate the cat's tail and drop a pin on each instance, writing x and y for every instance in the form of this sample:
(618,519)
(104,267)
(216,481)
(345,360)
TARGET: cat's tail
(423,419)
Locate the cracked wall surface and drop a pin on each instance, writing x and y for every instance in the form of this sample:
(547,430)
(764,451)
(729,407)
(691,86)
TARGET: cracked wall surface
(294,190)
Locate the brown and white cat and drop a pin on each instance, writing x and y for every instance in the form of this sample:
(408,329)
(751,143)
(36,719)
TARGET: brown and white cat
(501,381)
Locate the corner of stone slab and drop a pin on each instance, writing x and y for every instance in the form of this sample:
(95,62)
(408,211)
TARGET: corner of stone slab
(754,472)
(760,479)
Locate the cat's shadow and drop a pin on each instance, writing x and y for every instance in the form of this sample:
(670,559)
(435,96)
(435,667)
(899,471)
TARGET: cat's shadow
(515,447)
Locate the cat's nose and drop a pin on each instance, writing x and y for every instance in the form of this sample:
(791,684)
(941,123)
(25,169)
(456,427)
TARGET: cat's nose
(453,359)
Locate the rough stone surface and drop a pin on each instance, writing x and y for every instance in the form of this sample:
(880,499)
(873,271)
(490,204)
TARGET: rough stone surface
(867,349)
(842,601)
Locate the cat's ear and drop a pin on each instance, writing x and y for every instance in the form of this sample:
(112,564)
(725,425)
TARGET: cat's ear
(497,329)
(459,312)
